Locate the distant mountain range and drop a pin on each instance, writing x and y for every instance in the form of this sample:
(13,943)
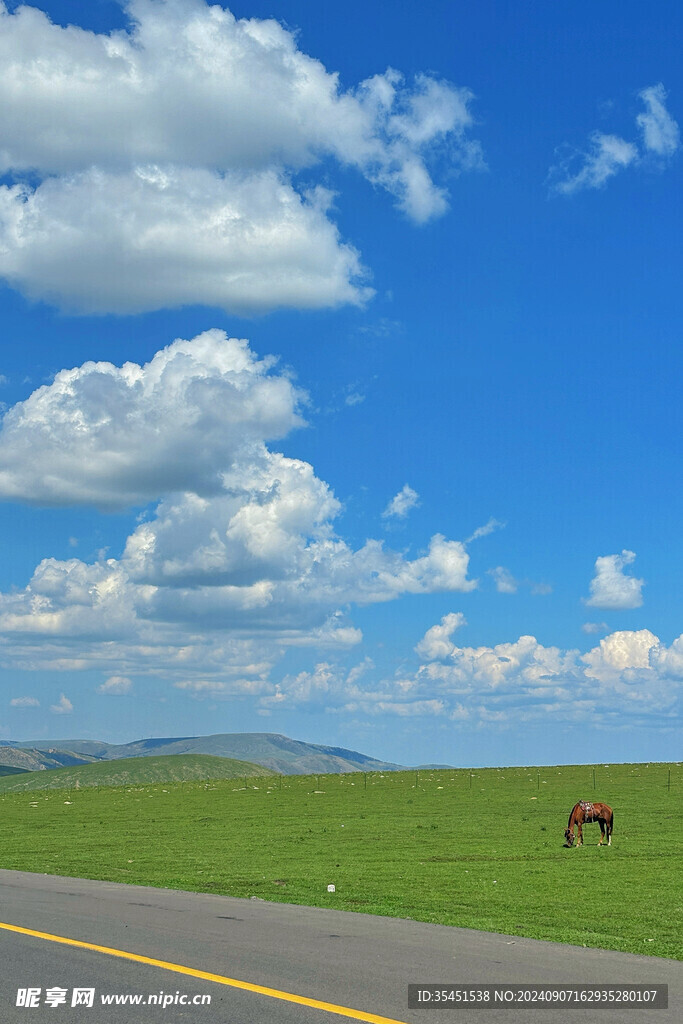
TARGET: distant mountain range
(279,753)
(28,758)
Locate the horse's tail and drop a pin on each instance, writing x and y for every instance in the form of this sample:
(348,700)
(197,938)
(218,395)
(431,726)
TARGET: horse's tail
(611,824)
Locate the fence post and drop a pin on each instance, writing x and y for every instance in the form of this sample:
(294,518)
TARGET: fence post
(594,778)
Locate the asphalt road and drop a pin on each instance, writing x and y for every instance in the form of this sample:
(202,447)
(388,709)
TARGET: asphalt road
(351,961)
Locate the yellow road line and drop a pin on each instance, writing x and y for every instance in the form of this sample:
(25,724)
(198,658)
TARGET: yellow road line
(219,979)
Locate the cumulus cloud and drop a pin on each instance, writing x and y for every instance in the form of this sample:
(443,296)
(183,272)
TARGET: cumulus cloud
(116,685)
(630,672)
(100,242)
(402,503)
(611,587)
(64,707)
(609,154)
(626,649)
(24,702)
(241,549)
(166,157)
(118,436)
(436,644)
(255,567)
(327,686)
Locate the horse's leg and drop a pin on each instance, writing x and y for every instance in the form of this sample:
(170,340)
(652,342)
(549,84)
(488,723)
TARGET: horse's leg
(602,831)
(579,835)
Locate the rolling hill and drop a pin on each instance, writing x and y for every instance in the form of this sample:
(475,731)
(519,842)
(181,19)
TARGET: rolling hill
(6,769)
(134,771)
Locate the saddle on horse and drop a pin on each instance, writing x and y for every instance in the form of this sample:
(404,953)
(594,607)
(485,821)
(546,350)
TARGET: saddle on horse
(588,810)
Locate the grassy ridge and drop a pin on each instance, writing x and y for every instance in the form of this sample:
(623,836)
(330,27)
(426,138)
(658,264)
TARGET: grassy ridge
(481,850)
(133,771)
(9,769)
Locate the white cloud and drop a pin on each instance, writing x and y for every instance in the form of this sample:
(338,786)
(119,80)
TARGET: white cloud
(116,436)
(64,707)
(610,154)
(668,661)
(402,503)
(212,689)
(594,627)
(408,709)
(486,529)
(177,605)
(167,154)
(116,685)
(436,644)
(504,580)
(24,702)
(611,587)
(629,673)
(241,549)
(100,242)
(626,649)
(660,132)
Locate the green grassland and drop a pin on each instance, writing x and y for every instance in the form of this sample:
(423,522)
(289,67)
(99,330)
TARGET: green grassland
(134,771)
(481,849)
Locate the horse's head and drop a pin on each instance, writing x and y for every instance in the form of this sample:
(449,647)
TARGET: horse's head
(569,836)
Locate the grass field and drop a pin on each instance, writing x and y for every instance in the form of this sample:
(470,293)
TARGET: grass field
(133,771)
(481,849)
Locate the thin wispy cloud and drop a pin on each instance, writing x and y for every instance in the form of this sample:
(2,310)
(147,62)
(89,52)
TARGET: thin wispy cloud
(402,503)
(504,580)
(607,155)
(486,529)
(661,134)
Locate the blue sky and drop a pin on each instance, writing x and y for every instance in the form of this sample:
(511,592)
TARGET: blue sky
(339,374)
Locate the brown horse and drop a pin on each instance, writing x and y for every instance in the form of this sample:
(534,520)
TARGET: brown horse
(584,813)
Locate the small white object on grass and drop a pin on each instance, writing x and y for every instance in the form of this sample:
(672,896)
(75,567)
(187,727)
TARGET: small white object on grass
(331,888)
